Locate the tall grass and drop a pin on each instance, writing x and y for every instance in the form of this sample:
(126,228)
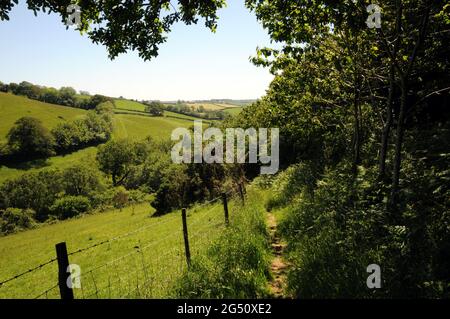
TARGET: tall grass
(143,264)
(237,263)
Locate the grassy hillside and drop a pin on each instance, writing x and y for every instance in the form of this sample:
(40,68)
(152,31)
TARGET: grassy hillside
(180,116)
(234,111)
(135,126)
(13,107)
(146,250)
(206,106)
(86,155)
(138,127)
(129,105)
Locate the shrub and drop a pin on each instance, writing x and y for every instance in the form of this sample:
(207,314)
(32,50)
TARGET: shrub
(70,206)
(37,191)
(28,137)
(15,219)
(96,127)
(81,180)
(121,197)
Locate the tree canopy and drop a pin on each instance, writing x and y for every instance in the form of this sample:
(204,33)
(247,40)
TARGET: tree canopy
(140,25)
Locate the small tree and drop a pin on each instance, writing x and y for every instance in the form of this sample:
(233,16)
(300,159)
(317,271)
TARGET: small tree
(28,137)
(155,108)
(121,198)
(70,206)
(15,219)
(116,158)
(81,180)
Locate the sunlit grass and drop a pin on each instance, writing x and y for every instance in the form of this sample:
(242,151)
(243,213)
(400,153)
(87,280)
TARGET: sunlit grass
(154,252)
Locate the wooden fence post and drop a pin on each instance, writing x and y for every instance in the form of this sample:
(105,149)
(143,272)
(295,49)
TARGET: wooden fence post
(241,193)
(225,208)
(64,276)
(186,238)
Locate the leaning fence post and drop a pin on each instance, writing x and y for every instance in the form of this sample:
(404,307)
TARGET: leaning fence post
(64,275)
(186,238)
(225,208)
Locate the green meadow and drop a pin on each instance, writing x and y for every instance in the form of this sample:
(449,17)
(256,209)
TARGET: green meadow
(143,259)
(13,107)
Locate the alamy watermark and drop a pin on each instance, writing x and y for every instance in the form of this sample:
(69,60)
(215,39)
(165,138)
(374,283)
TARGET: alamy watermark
(374,18)
(74,278)
(191,147)
(74,18)
(374,279)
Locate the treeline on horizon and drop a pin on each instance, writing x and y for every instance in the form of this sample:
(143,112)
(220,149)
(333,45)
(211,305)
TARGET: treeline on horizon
(68,96)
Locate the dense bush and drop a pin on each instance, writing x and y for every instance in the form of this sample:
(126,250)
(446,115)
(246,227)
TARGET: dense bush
(95,128)
(342,227)
(288,184)
(40,190)
(15,219)
(29,138)
(154,108)
(36,191)
(201,112)
(81,180)
(70,206)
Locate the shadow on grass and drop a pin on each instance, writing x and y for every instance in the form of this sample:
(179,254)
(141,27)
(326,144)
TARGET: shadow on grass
(26,165)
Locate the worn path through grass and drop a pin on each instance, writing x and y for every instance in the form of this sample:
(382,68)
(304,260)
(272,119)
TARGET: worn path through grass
(279,267)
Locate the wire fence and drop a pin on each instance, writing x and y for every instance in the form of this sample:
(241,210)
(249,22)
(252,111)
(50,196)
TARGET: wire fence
(142,263)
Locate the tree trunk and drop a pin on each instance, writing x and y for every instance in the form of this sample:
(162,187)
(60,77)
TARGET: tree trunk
(387,126)
(398,144)
(357,131)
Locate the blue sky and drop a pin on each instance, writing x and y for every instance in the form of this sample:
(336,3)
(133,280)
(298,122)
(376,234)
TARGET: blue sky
(193,64)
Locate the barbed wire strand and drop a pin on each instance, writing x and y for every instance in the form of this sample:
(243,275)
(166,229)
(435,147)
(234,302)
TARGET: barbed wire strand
(137,270)
(85,249)
(153,243)
(121,236)
(111,240)
(46,292)
(27,271)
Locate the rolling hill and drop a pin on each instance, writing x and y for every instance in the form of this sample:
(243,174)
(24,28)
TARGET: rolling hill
(228,107)
(129,125)
(13,107)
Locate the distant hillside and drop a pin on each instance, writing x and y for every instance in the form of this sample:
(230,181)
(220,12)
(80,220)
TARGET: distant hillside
(13,107)
(124,104)
(224,102)
(128,125)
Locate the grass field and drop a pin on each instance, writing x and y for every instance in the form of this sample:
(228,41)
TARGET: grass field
(138,127)
(129,105)
(206,106)
(234,111)
(13,107)
(143,258)
(86,155)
